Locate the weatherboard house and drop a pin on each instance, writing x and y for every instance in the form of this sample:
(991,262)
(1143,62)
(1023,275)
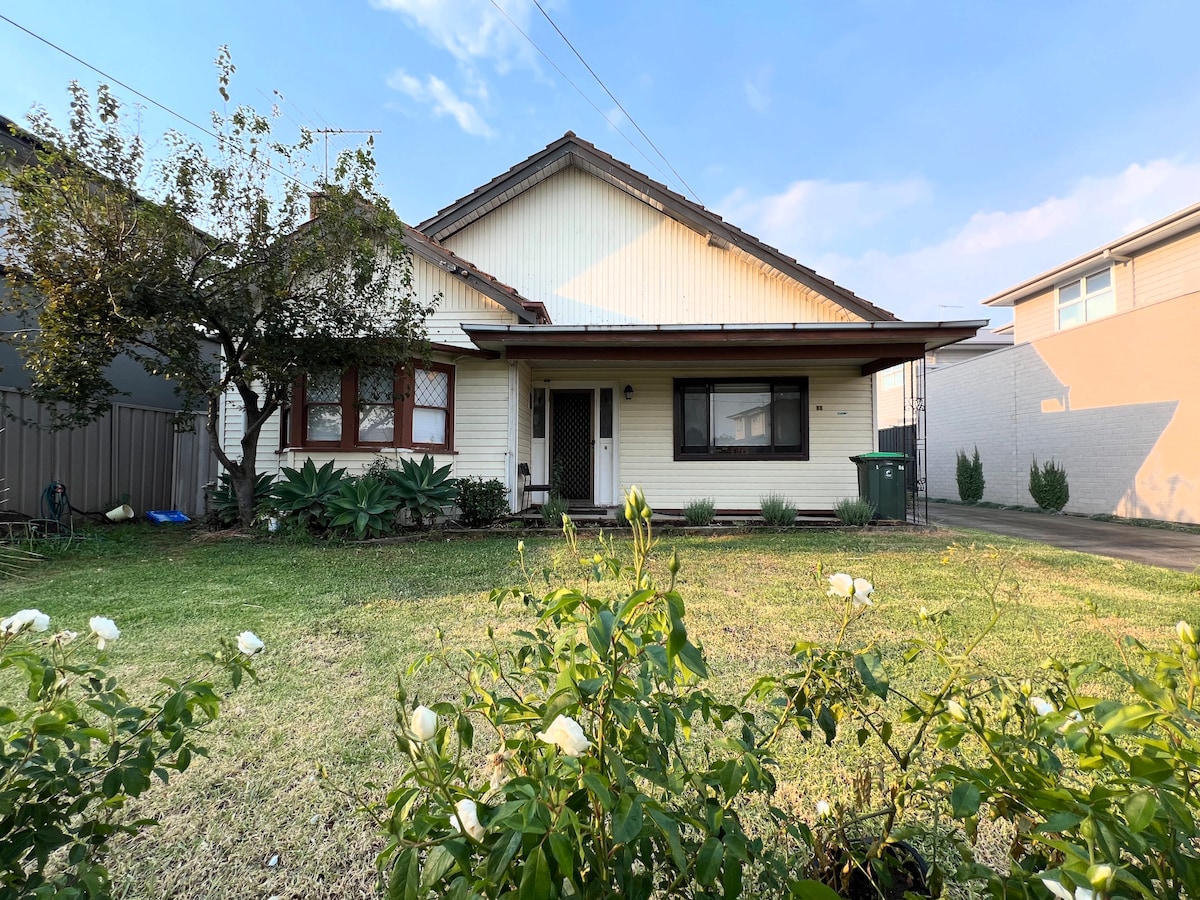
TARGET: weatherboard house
(596,330)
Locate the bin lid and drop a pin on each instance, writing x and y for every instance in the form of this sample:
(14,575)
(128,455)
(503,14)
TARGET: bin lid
(880,454)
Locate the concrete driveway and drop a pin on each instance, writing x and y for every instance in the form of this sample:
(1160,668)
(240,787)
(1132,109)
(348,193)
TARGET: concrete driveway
(1153,546)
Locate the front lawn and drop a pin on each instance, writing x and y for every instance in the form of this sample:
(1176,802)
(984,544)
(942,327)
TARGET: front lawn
(340,622)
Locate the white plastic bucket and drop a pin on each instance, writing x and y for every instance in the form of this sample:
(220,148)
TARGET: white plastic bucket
(120,514)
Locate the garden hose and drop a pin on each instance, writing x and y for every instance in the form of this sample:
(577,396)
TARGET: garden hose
(55,503)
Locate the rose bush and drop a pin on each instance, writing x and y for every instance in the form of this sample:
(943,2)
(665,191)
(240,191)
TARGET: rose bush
(76,746)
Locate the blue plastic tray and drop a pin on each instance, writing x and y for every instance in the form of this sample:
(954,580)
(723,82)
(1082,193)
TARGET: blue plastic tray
(159,516)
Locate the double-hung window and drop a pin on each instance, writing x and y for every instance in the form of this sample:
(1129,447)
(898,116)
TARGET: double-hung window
(739,417)
(375,406)
(1085,299)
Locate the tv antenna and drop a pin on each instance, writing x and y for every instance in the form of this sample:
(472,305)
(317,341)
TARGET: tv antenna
(326,132)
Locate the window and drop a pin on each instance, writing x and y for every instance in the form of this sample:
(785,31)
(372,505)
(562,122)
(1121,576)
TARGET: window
(1086,299)
(741,417)
(376,407)
(892,379)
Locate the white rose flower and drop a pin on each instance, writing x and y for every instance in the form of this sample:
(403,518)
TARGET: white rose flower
(250,643)
(33,619)
(824,809)
(1042,706)
(466,818)
(566,733)
(105,630)
(520,546)
(862,593)
(423,723)
(840,585)
(1185,632)
(956,711)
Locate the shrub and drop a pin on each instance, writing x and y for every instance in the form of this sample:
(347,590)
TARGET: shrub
(75,746)
(482,502)
(554,509)
(970,477)
(699,512)
(611,769)
(365,506)
(423,490)
(1048,485)
(854,511)
(306,492)
(224,505)
(777,510)
(379,468)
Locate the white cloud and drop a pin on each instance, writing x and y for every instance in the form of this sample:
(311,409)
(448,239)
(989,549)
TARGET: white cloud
(436,93)
(472,30)
(615,118)
(757,88)
(811,216)
(990,251)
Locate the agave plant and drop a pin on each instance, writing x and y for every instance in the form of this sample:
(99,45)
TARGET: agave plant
(224,499)
(424,491)
(306,492)
(364,504)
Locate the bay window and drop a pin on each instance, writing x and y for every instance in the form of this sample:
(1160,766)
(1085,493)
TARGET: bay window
(375,406)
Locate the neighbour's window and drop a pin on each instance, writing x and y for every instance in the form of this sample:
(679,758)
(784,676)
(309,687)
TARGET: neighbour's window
(376,406)
(1086,299)
(741,417)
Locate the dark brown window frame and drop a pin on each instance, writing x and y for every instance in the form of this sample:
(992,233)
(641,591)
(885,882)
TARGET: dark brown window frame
(403,406)
(713,453)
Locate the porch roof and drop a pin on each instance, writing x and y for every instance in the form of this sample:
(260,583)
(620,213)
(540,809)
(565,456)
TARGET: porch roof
(872,346)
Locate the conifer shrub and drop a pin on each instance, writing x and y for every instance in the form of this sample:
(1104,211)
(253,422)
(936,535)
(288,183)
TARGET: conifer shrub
(1048,485)
(970,477)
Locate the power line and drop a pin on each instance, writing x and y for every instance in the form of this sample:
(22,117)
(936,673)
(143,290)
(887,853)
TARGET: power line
(612,96)
(580,92)
(220,140)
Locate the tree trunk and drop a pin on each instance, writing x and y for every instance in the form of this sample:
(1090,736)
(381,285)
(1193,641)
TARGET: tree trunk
(243,474)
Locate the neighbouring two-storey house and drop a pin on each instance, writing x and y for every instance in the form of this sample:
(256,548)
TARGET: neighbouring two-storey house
(603,331)
(1102,378)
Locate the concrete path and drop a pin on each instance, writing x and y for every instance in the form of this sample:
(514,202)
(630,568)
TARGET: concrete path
(1153,546)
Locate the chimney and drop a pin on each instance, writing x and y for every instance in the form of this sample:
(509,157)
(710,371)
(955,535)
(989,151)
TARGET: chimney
(315,201)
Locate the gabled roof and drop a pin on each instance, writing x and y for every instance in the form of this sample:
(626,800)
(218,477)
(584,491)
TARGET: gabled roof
(1115,251)
(570,150)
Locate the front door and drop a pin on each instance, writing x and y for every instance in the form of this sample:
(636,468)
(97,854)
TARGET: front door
(571,444)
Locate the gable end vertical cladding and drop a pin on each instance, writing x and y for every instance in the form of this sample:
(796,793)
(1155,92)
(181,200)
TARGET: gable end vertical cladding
(598,256)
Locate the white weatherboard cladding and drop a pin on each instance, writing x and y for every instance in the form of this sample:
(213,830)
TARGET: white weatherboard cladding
(459,303)
(597,256)
(842,428)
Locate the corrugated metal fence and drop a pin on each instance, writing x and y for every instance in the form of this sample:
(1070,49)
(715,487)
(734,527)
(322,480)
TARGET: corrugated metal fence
(133,455)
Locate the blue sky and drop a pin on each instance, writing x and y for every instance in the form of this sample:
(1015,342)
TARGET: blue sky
(923,154)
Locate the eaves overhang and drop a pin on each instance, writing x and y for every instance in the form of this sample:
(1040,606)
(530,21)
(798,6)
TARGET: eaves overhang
(1118,251)
(871,346)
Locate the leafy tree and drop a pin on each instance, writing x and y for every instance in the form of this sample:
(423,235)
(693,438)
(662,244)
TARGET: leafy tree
(223,250)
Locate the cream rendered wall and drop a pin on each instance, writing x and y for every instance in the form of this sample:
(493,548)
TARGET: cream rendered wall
(843,427)
(597,256)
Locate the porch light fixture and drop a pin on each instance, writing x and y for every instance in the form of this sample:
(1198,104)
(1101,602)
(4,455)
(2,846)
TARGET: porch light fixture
(629,392)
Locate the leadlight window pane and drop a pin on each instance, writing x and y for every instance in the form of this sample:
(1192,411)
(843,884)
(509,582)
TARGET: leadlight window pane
(741,415)
(429,426)
(323,387)
(324,423)
(377,385)
(431,388)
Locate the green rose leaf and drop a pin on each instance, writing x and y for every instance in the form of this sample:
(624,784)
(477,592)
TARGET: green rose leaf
(964,800)
(1140,810)
(870,669)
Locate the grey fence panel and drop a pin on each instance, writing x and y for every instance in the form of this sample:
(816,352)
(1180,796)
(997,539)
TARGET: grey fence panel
(195,466)
(131,455)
